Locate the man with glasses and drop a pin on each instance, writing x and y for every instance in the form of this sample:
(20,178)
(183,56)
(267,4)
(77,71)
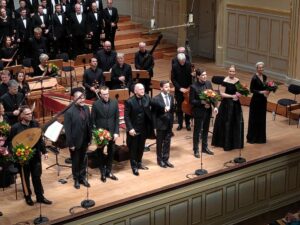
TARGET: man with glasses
(34,167)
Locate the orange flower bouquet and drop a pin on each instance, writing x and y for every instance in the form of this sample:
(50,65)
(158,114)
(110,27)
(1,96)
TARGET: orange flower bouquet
(209,96)
(4,129)
(22,154)
(101,137)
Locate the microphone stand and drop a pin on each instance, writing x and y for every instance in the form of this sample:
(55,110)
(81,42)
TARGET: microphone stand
(240,159)
(87,203)
(41,219)
(42,94)
(201,171)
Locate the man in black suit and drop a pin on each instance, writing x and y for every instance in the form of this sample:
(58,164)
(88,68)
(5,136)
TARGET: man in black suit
(5,77)
(33,168)
(106,57)
(32,6)
(95,26)
(22,4)
(139,127)
(111,18)
(58,30)
(40,19)
(66,8)
(12,101)
(202,111)
(162,111)
(144,61)
(121,74)
(92,80)
(181,76)
(78,30)
(105,115)
(23,32)
(37,45)
(78,136)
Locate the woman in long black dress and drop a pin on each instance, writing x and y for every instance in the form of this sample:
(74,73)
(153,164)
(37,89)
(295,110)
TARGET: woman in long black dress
(229,124)
(258,107)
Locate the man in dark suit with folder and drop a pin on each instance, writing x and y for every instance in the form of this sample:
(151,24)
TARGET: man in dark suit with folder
(111,19)
(105,115)
(162,115)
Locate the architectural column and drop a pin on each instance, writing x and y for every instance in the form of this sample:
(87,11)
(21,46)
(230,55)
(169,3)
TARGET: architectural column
(294,47)
(182,31)
(220,32)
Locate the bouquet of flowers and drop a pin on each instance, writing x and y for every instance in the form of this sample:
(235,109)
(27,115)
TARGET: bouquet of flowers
(101,137)
(242,89)
(209,96)
(271,86)
(22,154)
(4,129)
(54,68)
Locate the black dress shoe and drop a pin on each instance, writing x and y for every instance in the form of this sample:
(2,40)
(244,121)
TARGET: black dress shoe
(135,171)
(85,183)
(168,164)
(103,178)
(207,151)
(179,127)
(188,128)
(44,201)
(162,164)
(196,154)
(76,184)
(142,167)
(111,176)
(29,201)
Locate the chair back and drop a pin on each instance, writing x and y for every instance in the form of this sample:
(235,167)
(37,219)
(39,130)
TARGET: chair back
(294,89)
(63,56)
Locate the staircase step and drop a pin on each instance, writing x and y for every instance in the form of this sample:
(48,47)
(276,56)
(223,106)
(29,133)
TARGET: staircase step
(128,25)
(133,42)
(124,18)
(128,34)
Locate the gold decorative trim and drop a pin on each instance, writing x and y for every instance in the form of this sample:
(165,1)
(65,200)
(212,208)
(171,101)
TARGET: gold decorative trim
(260,10)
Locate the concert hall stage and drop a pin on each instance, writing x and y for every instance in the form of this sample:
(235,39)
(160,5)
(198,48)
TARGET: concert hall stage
(227,194)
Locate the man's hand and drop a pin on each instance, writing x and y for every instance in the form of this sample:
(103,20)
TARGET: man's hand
(46,156)
(116,137)
(183,90)
(16,112)
(132,132)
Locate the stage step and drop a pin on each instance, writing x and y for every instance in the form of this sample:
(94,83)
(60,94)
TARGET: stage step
(128,25)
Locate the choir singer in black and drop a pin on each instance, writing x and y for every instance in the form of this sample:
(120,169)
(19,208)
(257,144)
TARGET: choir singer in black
(162,115)
(78,136)
(105,115)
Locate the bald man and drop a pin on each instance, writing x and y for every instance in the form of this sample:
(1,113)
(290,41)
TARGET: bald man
(144,61)
(138,125)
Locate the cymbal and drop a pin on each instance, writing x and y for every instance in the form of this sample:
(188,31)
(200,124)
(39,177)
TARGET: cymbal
(28,137)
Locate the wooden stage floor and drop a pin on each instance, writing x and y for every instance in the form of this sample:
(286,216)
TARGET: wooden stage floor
(280,136)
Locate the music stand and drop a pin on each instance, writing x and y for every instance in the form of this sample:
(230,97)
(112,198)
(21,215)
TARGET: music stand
(119,94)
(140,74)
(52,133)
(14,69)
(107,76)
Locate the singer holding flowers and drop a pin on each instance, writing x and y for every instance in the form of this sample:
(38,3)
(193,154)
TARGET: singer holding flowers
(202,111)
(105,115)
(258,107)
(33,166)
(229,124)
